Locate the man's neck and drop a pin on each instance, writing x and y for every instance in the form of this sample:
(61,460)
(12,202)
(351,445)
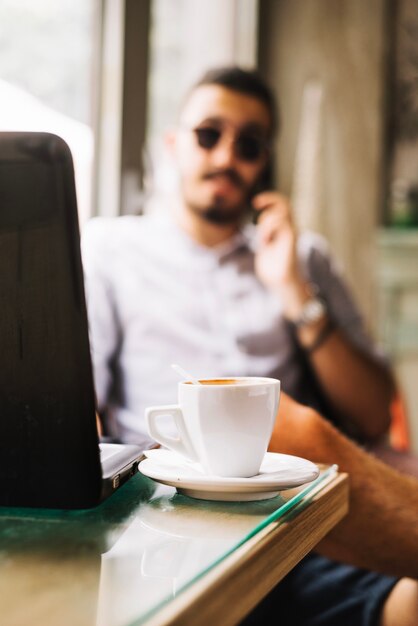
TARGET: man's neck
(202,231)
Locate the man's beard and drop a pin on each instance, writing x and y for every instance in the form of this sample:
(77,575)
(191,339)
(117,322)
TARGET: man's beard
(219,212)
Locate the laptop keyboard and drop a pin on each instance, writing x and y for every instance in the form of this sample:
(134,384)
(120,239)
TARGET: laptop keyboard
(108,450)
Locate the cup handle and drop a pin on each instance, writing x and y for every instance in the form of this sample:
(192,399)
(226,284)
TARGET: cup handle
(180,444)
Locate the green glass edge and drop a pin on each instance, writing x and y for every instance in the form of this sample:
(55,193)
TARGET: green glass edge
(276,515)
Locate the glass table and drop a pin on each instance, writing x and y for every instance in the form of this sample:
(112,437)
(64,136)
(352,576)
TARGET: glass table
(151,556)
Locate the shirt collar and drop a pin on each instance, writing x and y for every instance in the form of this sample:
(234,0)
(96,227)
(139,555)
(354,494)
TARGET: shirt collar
(243,238)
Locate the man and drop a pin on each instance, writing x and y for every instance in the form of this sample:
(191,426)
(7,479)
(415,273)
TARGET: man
(199,288)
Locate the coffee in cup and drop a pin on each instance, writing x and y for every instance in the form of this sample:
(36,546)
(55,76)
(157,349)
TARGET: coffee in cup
(225,424)
(218,381)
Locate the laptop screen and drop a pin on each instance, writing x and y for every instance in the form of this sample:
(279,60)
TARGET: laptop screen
(48,441)
(16,211)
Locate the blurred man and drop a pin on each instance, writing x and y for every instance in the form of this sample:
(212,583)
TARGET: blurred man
(202,287)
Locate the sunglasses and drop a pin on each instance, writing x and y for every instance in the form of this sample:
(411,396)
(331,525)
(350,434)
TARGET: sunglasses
(248,146)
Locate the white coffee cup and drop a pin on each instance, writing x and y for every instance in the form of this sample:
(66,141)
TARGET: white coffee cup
(225,424)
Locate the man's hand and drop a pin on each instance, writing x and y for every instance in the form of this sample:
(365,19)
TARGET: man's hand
(276,262)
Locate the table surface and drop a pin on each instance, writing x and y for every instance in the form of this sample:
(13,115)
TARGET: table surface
(149,555)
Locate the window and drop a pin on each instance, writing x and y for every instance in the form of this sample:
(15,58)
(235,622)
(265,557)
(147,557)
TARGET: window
(186,38)
(46,65)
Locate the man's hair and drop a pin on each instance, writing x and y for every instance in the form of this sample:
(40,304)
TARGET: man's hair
(247,82)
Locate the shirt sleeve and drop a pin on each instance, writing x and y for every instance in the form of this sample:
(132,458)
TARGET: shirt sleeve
(324,271)
(104,327)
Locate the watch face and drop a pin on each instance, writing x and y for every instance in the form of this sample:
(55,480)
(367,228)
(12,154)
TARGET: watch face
(313,311)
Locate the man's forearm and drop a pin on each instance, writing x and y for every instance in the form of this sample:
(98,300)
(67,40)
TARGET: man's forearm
(381,529)
(359,389)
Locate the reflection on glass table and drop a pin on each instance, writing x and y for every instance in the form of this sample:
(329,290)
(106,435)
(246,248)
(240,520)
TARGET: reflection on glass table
(174,540)
(120,563)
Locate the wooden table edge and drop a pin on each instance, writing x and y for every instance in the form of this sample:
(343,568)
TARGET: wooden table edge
(232,588)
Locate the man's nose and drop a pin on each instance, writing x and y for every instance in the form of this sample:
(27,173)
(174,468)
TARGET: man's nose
(223,154)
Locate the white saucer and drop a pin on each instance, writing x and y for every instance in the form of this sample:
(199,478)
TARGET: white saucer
(277,473)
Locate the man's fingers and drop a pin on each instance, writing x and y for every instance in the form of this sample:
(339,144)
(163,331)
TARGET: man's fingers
(272,206)
(271,223)
(270,200)
(275,215)
(269,227)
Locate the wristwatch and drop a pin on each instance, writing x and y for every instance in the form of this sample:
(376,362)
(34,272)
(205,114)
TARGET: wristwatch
(313,310)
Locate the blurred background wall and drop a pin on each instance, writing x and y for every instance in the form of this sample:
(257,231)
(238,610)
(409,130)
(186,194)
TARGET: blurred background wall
(341,48)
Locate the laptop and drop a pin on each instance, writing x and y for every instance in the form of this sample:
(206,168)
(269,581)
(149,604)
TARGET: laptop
(49,447)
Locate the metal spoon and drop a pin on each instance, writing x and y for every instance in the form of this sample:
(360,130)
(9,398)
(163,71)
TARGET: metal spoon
(185,374)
